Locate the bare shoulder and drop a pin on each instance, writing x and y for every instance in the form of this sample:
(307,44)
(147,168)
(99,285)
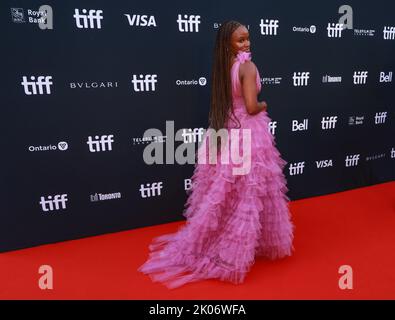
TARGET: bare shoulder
(248,68)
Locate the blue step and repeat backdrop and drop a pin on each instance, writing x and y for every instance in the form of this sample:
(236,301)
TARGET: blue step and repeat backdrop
(82,81)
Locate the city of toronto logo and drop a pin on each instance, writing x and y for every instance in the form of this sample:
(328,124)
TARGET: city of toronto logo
(235,148)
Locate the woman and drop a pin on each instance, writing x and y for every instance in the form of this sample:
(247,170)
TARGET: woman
(232,217)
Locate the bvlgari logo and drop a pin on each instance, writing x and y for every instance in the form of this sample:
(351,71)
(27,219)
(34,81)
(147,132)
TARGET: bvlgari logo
(93,84)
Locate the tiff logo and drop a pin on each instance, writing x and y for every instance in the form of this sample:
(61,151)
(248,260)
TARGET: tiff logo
(360,77)
(269,27)
(194,135)
(303,126)
(300,78)
(272,127)
(389,33)
(144,83)
(386,78)
(102,143)
(141,20)
(334,30)
(296,168)
(189,23)
(328,122)
(37,86)
(151,190)
(87,21)
(352,160)
(53,203)
(380,117)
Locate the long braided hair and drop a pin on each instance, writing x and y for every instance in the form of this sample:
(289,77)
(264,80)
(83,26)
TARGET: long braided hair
(221,102)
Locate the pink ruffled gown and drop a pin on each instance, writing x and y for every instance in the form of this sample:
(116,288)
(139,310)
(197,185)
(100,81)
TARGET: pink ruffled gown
(231,219)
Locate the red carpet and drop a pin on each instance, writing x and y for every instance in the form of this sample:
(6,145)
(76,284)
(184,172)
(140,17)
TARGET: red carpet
(355,228)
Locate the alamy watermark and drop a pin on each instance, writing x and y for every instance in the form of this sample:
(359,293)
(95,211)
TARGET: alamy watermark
(235,148)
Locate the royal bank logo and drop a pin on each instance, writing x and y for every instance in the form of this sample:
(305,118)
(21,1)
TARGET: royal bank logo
(88,19)
(18,15)
(188,23)
(355,120)
(137,20)
(43,17)
(269,27)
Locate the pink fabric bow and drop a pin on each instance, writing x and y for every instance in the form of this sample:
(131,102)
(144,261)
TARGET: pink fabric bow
(243,56)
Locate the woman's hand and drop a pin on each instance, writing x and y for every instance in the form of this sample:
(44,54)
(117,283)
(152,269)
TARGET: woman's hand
(263,105)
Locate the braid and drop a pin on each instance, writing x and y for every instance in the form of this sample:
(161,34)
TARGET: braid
(221,101)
